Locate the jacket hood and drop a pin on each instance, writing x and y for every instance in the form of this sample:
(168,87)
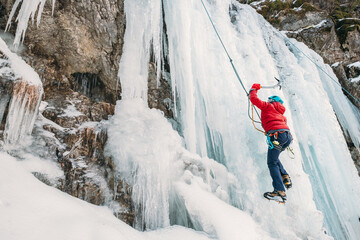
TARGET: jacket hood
(279,107)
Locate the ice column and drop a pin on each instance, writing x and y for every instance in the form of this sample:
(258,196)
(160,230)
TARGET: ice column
(138,136)
(143,37)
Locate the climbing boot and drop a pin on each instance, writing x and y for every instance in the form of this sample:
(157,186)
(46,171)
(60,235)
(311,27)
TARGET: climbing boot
(287,181)
(278,196)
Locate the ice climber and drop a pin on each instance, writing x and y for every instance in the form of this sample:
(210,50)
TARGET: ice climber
(279,138)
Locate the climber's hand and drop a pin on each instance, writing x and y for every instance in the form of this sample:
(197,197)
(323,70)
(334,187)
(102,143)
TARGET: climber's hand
(256,86)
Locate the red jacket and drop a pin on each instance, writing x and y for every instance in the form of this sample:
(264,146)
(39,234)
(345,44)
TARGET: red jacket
(272,117)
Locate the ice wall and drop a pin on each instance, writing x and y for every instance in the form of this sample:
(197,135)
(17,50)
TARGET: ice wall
(24,100)
(215,123)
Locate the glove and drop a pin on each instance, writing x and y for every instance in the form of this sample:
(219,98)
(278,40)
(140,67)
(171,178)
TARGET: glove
(256,86)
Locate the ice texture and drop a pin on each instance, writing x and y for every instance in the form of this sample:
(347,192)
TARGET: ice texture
(143,37)
(211,108)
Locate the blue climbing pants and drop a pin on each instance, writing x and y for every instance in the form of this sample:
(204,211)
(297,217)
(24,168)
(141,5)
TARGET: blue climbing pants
(274,164)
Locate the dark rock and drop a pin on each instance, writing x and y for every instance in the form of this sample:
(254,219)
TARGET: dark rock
(70,109)
(159,93)
(352,71)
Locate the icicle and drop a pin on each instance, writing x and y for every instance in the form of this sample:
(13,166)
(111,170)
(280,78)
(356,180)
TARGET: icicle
(28,10)
(23,111)
(25,99)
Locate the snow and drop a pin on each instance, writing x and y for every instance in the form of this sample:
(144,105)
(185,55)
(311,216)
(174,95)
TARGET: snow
(32,210)
(19,66)
(298,9)
(316,26)
(335,65)
(355,64)
(71,111)
(348,19)
(256,3)
(239,225)
(35,164)
(355,80)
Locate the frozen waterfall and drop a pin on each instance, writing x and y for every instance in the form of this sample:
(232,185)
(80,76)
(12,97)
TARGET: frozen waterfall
(210,176)
(212,110)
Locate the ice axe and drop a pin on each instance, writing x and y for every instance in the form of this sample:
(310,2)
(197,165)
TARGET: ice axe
(274,86)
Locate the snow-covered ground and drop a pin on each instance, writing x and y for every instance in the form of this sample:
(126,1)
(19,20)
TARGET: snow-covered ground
(34,211)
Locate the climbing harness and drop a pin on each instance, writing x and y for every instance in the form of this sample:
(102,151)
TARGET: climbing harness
(276,145)
(273,144)
(268,141)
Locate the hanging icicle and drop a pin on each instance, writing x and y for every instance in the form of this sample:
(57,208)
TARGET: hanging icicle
(28,9)
(24,100)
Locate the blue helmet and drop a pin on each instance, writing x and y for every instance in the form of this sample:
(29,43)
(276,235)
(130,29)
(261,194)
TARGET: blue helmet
(275,99)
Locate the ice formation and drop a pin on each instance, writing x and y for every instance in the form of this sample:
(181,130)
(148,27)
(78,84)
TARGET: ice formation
(211,108)
(24,100)
(28,9)
(211,175)
(134,62)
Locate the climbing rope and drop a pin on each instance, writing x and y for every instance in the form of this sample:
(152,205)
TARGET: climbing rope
(287,40)
(230,59)
(252,118)
(247,93)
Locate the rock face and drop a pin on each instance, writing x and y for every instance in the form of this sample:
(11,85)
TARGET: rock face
(82,37)
(7,79)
